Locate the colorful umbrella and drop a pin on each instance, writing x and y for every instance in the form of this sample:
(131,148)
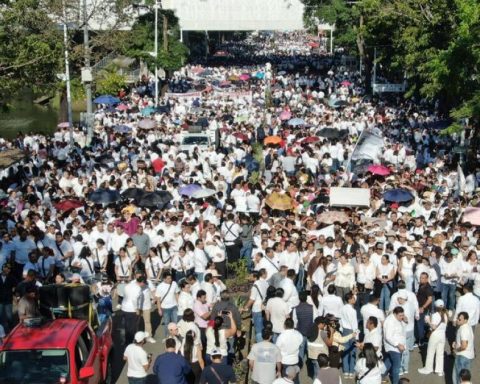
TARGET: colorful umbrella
(147,124)
(106,99)
(244,76)
(158,165)
(233,78)
(189,189)
(275,140)
(296,122)
(313,44)
(279,201)
(309,140)
(378,169)
(241,136)
(471,215)
(148,111)
(260,75)
(65,124)
(66,205)
(346,83)
(331,217)
(122,128)
(397,195)
(122,107)
(285,115)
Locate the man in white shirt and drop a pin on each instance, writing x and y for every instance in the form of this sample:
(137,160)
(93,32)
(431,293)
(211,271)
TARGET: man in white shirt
(167,300)
(269,262)
(258,294)
(349,323)
(374,335)
(394,341)
(371,310)
(470,304)
(277,310)
(200,259)
(450,275)
(331,303)
(138,361)
(463,346)
(290,293)
(289,342)
(131,304)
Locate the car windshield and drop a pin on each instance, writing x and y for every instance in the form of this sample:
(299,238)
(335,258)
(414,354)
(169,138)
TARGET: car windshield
(40,366)
(195,140)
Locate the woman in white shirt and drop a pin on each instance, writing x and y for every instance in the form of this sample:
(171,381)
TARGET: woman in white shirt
(217,337)
(84,262)
(385,274)
(436,342)
(369,368)
(185,298)
(182,264)
(153,266)
(191,350)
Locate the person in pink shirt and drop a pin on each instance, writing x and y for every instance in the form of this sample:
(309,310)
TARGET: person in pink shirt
(202,314)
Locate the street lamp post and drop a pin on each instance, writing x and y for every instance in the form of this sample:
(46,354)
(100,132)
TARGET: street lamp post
(67,76)
(88,83)
(156,53)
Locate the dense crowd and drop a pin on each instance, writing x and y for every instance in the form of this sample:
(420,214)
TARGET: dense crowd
(343,291)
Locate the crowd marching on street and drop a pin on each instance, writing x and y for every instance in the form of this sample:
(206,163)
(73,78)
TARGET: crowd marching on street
(345,293)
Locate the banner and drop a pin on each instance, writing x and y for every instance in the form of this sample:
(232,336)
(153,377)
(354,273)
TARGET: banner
(349,197)
(370,147)
(234,95)
(185,96)
(393,88)
(327,232)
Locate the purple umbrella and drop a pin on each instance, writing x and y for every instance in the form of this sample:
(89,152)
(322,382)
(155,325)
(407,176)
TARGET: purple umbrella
(189,189)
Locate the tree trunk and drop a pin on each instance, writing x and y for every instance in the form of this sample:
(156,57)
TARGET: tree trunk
(366,59)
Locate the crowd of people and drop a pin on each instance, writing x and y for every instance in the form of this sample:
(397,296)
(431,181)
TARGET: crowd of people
(341,293)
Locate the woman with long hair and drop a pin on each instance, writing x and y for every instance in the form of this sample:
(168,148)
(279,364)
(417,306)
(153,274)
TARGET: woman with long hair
(314,297)
(369,368)
(436,343)
(191,350)
(85,263)
(217,337)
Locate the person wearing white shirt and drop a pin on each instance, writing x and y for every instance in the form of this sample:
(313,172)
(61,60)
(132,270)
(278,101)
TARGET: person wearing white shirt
(394,341)
(185,298)
(369,368)
(331,303)
(270,263)
(470,304)
(290,294)
(289,342)
(436,342)
(345,277)
(131,305)
(276,311)
(138,361)
(374,335)
(167,300)
(258,293)
(450,272)
(200,259)
(371,310)
(463,346)
(349,323)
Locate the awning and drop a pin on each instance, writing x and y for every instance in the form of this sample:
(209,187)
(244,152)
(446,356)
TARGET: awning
(349,197)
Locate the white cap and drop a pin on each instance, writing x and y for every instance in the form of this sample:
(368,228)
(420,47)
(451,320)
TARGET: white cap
(439,303)
(140,336)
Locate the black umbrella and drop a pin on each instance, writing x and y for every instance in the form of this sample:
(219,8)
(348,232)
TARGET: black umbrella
(332,133)
(104,196)
(202,121)
(155,199)
(228,118)
(133,193)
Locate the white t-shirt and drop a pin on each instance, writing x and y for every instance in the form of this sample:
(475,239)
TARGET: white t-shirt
(441,326)
(167,294)
(279,311)
(373,376)
(465,333)
(289,342)
(136,359)
(131,297)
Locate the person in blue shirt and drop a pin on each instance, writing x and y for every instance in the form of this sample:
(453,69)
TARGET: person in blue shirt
(170,367)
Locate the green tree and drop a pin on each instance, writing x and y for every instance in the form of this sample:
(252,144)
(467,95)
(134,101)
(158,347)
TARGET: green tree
(109,82)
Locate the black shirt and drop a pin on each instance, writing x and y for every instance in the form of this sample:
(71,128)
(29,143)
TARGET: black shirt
(424,291)
(224,372)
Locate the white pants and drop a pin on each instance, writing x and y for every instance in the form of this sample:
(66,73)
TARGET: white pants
(436,346)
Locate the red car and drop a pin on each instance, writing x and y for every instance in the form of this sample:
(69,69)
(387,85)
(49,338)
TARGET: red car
(57,352)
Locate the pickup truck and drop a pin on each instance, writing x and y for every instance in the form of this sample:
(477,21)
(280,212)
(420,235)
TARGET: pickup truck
(61,351)
(197,137)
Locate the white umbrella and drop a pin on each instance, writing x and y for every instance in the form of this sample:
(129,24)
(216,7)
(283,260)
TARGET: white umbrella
(147,124)
(203,193)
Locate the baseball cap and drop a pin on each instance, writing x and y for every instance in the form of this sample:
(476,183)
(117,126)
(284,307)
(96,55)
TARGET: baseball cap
(216,352)
(140,336)
(439,303)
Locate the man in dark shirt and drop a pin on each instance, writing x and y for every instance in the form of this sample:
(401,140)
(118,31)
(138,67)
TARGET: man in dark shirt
(7,286)
(425,298)
(217,372)
(170,367)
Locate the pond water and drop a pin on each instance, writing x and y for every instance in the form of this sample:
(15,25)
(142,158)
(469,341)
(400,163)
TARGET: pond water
(25,117)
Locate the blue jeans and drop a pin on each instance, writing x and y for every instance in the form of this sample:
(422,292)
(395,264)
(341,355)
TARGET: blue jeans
(302,351)
(137,380)
(313,368)
(420,327)
(169,316)
(258,324)
(348,355)
(461,362)
(448,295)
(300,279)
(246,253)
(6,316)
(200,276)
(385,296)
(406,353)
(393,366)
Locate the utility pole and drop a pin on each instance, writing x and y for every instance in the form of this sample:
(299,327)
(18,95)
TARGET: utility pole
(374,68)
(87,81)
(67,75)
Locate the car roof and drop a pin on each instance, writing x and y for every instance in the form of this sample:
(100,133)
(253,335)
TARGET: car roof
(53,334)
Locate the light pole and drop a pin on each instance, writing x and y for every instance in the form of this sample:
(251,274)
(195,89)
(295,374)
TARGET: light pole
(87,81)
(156,53)
(67,75)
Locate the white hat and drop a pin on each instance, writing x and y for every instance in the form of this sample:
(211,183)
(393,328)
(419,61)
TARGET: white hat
(402,294)
(140,336)
(439,303)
